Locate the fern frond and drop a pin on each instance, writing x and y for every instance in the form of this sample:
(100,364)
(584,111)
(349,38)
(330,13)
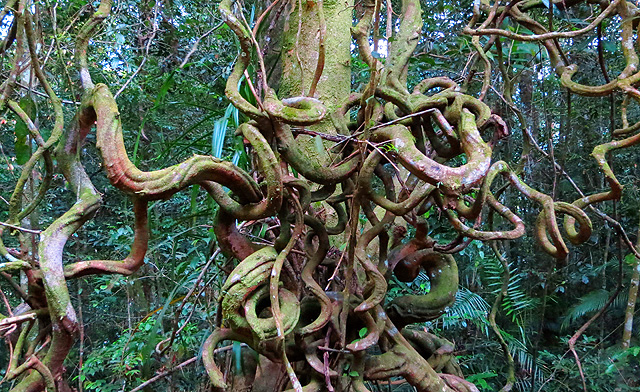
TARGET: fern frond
(588,304)
(597,270)
(468,307)
(516,300)
(621,300)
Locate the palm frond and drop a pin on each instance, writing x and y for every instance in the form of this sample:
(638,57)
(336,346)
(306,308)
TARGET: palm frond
(598,269)
(591,303)
(468,307)
(516,300)
(621,300)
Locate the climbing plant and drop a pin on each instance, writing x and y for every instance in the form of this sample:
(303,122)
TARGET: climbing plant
(343,188)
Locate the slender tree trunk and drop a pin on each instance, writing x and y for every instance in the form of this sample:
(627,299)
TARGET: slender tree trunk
(631,304)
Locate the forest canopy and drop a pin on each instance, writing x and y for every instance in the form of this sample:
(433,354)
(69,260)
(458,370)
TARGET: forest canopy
(319,195)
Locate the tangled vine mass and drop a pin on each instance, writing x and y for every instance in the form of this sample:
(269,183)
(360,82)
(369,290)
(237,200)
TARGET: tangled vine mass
(345,225)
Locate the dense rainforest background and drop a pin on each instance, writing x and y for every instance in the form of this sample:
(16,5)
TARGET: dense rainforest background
(319,195)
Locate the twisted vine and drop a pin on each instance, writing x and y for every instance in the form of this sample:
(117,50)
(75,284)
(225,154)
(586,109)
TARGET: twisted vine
(400,154)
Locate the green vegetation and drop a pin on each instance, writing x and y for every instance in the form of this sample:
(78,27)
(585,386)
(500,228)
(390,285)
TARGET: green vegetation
(319,195)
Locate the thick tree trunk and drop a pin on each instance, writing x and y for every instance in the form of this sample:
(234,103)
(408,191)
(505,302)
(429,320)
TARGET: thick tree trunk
(300,46)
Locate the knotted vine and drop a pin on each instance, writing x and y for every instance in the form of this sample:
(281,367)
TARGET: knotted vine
(395,154)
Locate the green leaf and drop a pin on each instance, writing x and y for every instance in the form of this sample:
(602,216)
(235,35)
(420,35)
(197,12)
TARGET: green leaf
(528,48)
(164,89)
(218,136)
(611,368)
(22,146)
(479,379)
(363,332)
(630,259)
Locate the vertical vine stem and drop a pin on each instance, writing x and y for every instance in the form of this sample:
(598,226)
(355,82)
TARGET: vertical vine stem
(274,287)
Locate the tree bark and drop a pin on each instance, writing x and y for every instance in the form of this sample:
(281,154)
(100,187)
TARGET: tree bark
(631,303)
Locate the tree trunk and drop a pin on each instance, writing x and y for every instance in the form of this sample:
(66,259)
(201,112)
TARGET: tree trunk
(631,303)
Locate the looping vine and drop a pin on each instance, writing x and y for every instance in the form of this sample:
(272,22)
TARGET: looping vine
(394,155)
(398,153)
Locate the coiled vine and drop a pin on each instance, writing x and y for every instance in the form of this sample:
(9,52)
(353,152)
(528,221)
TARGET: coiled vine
(345,226)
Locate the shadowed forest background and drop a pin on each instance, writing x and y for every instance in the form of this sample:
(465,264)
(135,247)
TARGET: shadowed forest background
(306,195)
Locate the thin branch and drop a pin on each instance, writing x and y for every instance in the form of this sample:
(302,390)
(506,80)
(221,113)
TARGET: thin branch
(16,287)
(548,35)
(321,50)
(194,47)
(178,312)
(20,228)
(506,276)
(400,119)
(579,332)
(146,51)
(333,138)
(178,367)
(41,94)
(164,374)
(256,26)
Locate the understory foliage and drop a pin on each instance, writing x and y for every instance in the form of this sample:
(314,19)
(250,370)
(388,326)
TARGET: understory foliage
(319,195)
